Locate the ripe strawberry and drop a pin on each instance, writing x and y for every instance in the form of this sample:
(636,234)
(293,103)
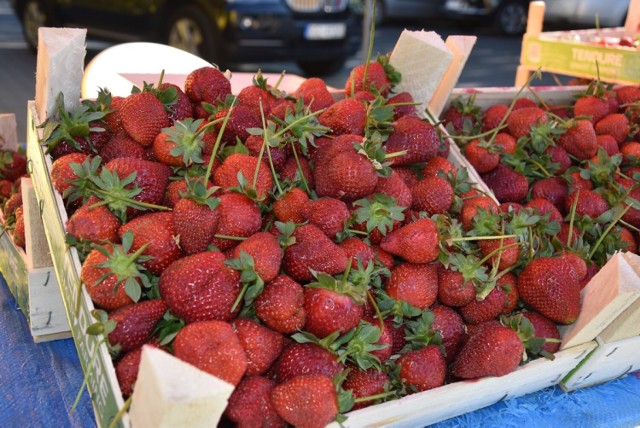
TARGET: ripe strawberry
(507,185)
(453,290)
(548,285)
(432,194)
(143,116)
(121,145)
(482,157)
(61,172)
(19,229)
(348,175)
(206,84)
(491,350)
(250,404)
(416,284)
(461,116)
(591,106)
(212,346)
(308,401)
(358,251)
(346,116)
(508,283)
(279,155)
(589,203)
(608,143)
(371,77)
(182,108)
(560,156)
(200,287)
(240,119)
(577,182)
(519,122)
(419,138)
(417,242)
(329,215)
(265,250)
(438,164)
(113,119)
(544,328)
(293,173)
(195,224)
(423,369)
(12,165)
(627,94)
(135,324)
(365,383)
(553,189)
(544,207)
(449,324)
(579,139)
(312,250)
(261,345)
(292,206)
(504,248)
(93,223)
(314,93)
(226,175)
(479,311)
(524,103)
(505,143)
(617,125)
(300,359)
(239,217)
(281,305)
(493,115)
(127,371)
(402,103)
(472,205)
(255,96)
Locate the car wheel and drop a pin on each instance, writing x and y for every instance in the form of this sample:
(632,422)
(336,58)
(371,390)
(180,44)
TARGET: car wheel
(511,17)
(321,68)
(34,16)
(189,29)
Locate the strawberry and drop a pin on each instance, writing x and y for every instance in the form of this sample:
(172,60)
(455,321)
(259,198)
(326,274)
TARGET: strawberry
(213,347)
(300,359)
(507,185)
(195,224)
(591,106)
(553,189)
(182,108)
(423,369)
(589,203)
(519,122)
(523,103)
(279,155)
(240,120)
(265,250)
(627,94)
(93,222)
(544,328)
(408,175)
(481,156)
(365,383)
(281,305)
(312,250)
(19,231)
(548,285)
(206,84)
(579,139)
(544,207)
(135,324)
(403,105)
(314,93)
(329,215)
(417,242)
(472,205)
(416,284)
(508,283)
(200,287)
(395,187)
(419,138)
(261,345)
(294,173)
(432,194)
(505,143)
(257,96)
(358,251)
(438,164)
(449,324)
(12,165)
(250,404)
(62,173)
(368,77)
(292,206)
(226,175)
(157,232)
(577,182)
(346,116)
(121,145)
(608,143)
(179,145)
(143,116)
(507,256)
(560,156)
(453,290)
(617,125)
(308,401)
(127,371)
(239,217)
(493,115)
(491,350)
(479,311)
(348,175)
(112,118)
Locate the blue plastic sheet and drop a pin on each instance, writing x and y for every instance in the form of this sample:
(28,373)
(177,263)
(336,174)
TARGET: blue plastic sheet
(39,383)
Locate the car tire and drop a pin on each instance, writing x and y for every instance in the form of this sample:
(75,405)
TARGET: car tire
(321,68)
(511,17)
(189,29)
(34,15)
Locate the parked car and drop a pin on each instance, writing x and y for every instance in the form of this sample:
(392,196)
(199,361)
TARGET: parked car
(407,9)
(317,34)
(510,16)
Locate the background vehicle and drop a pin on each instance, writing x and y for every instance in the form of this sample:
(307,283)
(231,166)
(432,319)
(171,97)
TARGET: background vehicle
(318,34)
(407,9)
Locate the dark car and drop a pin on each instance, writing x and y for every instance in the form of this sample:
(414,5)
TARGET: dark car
(317,34)
(508,16)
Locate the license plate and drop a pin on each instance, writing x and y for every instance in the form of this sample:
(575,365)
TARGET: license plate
(325,31)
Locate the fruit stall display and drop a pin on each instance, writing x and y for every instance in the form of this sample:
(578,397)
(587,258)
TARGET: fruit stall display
(321,256)
(24,253)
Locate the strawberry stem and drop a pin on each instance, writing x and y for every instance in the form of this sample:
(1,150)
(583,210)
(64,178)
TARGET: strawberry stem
(607,230)
(374,304)
(374,397)
(129,200)
(395,154)
(216,146)
(302,176)
(480,238)
(231,238)
(264,143)
(118,416)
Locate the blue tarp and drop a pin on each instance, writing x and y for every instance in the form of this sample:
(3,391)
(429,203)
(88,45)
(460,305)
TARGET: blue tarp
(39,383)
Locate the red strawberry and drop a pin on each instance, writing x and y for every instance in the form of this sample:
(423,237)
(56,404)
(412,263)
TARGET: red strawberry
(143,116)
(113,119)
(265,250)
(279,155)
(438,164)
(200,287)
(239,217)
(544,328)
(127,371)
(121,145)
(195,224)
(524,103)
(451,327)
(88,144)
(608,143)
(543,207)
(519,122)
(240,119)
(479,311)
(471,206)
(207,84)
(507,185)
(299,359)
(560,156)
(182,108)
(250,404)
(156,231)
(281,305)
(347,175)
(61,172)
(292,206)
(371,77)
(358,251)
(416,284)
(12,165)
(548,285)
(491,350)
(482,157)
(135,323)
(329,215)
(6,188)
(314,93)
(417,242)
(432,194)
(408,175)
(403,105)
(505,143)
(453,290)
(93,223)
(394,186)
(505,248)
(579,139)
(306,401)
(213,347)
(346,116)
(493,115)
(627,94)
(365,383)
(312,250)
(293,173)
(617,125)
(254,96)
(589,203)
(508,283)
(261,345)
(332,306)
(592,106)
(419,138)
(553,189)
(19,231)
(423,369)
(226,175)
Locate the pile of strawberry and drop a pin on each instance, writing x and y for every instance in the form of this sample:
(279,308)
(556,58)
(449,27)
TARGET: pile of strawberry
(320,255)
(13,166)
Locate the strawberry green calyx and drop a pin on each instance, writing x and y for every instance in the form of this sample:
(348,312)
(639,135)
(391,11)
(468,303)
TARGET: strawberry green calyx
(379,118)
(252,284)
(398,309)
(357,292)
(419,333)
(379,212)
(167,328)
(81,187)
(125,266)
(356,346)
(533,345)
(393,75)
(188,140)
(601,171)
(168,96)
(199,193)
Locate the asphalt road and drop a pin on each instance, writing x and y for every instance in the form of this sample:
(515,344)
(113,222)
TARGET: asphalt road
(493,60)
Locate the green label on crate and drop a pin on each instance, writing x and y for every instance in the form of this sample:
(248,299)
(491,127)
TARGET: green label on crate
(581,59)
